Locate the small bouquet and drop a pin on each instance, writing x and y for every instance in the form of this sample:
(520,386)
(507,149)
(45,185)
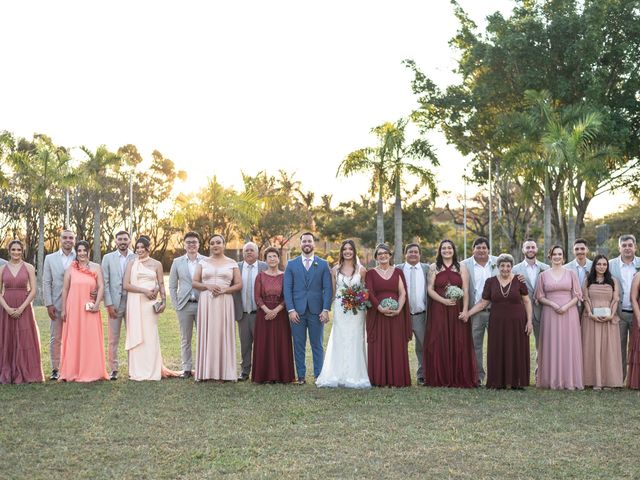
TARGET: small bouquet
(354,298)
(453,293)
(389,303)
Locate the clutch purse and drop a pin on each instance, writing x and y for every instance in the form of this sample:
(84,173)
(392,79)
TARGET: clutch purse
(157,307)
(89,306)
(602,311)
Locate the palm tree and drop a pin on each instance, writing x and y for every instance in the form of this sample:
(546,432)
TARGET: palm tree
(41,166)
(373,161)
(404,159)
(95,170)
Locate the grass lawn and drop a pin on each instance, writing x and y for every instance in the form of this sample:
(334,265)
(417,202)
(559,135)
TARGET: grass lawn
(179,429)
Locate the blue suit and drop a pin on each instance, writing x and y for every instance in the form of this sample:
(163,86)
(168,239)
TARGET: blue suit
(308,293)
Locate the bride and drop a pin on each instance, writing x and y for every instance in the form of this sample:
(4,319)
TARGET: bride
(345,362)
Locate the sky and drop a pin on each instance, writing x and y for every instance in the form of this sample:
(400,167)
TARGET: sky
(228,87)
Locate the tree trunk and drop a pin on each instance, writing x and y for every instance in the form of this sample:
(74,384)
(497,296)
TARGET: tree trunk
(380,218)
(397,226)
(39,300)
(97,255)
(547,213)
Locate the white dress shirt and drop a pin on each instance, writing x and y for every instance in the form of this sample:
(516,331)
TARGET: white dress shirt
(532,273)
(249,276)
(191,265)
(480,275)
(627,271)
(582,271)
(67,259)
(420,301)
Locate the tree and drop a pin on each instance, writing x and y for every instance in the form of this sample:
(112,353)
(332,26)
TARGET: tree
(40,168)
(282,209)
(404,158)
(373,160)
(95,172)
(581,52)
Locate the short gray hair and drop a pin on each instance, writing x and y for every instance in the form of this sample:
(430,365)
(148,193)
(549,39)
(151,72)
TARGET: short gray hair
(625,237)
(250,244)
(504,258)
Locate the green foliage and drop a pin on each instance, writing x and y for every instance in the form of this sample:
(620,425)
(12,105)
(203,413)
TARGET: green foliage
(587,56)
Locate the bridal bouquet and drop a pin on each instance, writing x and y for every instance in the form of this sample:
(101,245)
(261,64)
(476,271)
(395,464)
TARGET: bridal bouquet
(453,293)
(354,298)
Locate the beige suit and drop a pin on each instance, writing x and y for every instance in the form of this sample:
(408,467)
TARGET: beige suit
(52,283)
(115,296)
(185,301)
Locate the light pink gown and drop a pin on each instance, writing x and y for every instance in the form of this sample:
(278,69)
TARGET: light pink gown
(560,345)
(216,346)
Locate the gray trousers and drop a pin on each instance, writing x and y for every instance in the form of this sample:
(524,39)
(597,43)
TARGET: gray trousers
(479,325)
(187,317)
(246,326)
(115,326)
(626,319)
(55,342)
(419,323)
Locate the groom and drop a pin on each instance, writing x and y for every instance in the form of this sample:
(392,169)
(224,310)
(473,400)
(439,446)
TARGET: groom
(307,294)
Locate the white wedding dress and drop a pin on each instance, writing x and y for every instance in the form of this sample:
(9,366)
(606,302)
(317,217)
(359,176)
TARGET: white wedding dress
(345,361)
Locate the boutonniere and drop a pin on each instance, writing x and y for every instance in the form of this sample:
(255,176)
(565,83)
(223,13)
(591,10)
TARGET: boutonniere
(637,268)
(315,263)
(493,265)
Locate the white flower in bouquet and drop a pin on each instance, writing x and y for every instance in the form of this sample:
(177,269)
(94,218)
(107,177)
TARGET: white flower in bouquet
(453,293)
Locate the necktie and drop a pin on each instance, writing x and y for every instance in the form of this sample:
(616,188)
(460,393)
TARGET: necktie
(412,289)
(307,263)
(249,298)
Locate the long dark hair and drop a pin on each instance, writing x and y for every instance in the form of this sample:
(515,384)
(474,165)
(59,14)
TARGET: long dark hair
(439,263)
(348,241)
(608,279)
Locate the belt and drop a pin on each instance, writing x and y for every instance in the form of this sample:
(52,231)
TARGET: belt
(419,313)
(195,300)
(252,312)
(627,311)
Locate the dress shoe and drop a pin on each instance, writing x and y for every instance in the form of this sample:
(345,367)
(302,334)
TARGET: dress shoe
(244,377)
(421,382)
(114,375)
(300,381)
(55,375)
(186,374)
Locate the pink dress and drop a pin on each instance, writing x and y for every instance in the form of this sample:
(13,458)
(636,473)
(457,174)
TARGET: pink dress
(216,345)
(82,358)
(560,345)
(19,337)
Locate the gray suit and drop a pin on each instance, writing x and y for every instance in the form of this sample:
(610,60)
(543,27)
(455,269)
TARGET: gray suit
(116,297)
(521,269)
(52,283)
(573,265)
(419,319)
(185,301)
(480,321)
(3,262)
(246,320)
(626,316)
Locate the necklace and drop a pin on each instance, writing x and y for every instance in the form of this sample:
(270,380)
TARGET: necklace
(386,274)
(504,293)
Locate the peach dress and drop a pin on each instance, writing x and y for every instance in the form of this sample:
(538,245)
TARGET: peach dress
(82,357)
(143,341)
(216,346)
